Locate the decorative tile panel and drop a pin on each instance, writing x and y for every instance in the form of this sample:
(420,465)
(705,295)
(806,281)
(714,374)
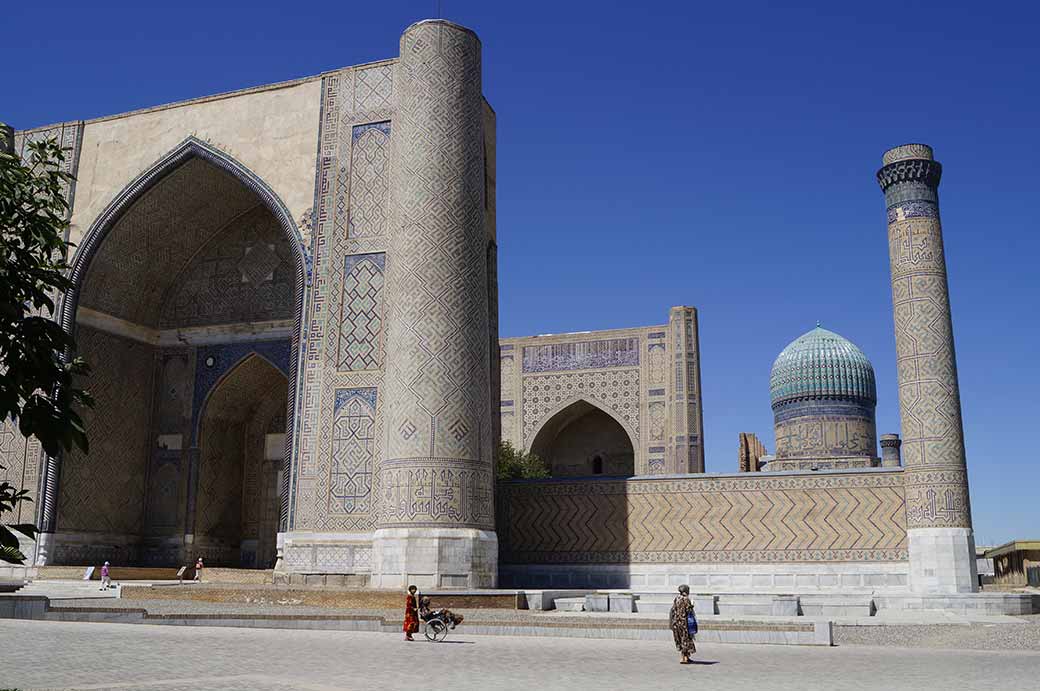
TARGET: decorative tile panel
(621,352)
(614,390)
(837,517)
(353,450)
(361,331)
(369,180)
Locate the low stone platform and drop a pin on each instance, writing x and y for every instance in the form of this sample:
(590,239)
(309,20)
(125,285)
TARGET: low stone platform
(491,622)
(162,573)
(319,596)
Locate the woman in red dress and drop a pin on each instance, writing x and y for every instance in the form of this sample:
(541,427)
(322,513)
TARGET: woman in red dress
(411,614)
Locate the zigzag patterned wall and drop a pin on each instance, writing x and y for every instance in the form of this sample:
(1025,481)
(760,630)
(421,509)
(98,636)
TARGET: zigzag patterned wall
(825,517)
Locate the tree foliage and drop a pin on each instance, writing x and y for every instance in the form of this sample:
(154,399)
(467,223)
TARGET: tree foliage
(514,464)
(36,379)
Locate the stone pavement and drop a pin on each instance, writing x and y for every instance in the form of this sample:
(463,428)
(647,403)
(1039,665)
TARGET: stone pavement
(99,656)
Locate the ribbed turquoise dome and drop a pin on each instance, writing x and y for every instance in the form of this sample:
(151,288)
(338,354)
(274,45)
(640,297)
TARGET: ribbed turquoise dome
(822,365)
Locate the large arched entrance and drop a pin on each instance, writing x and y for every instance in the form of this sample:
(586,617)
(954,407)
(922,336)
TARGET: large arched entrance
(582,440)
(189,290)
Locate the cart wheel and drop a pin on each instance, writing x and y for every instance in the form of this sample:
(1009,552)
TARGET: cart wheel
(436,630)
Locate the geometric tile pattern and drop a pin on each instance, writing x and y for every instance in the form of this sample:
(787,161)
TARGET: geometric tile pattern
(104,491)
(438,467)
(361,328)
(818,518)
(69,136)
(350,212)
(685,442)
(19,465)
(24,461)
(616,391)
(657,367)
(369,180)
(929,396)
(353,450)
(245,272)
(170,223)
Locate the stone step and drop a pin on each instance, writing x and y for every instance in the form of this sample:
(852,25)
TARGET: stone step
(570,604)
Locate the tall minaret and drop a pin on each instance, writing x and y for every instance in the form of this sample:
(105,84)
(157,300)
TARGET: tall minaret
(938,512)
(435,486)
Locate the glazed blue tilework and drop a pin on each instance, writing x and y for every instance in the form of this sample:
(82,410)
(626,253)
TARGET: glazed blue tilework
(352,260)
(619,352)
(655,392)
(821,365)
(344,395)
(656,449)
(506,404)
(225,357)
(656,465)
(506,347)
(656,334)
(359,130)
(917,208)
(823,409)
(353,450)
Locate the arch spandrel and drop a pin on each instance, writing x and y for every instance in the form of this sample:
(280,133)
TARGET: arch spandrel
(602,406)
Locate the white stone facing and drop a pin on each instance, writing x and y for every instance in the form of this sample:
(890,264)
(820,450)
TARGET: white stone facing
(328,553)
(434,558)
(942,560)
(849,577)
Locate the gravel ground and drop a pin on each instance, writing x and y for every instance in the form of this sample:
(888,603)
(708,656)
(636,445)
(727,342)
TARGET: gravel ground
(1024,636)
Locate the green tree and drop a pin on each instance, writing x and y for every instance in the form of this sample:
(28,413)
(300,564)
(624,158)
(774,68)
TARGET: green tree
(36,379)
(514,464)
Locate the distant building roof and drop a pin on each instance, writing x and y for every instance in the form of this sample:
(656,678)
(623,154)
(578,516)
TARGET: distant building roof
(1013,546)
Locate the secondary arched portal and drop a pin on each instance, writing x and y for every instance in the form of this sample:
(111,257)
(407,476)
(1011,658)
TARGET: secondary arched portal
(189,279)
(582,440)
(241,442)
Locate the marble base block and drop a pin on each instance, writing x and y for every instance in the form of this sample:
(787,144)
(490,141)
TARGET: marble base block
(462,558)
(942,560)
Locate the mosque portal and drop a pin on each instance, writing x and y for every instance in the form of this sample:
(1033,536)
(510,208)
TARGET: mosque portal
(186,301)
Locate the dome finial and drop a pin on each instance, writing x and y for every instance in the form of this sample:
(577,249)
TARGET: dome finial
(818,323)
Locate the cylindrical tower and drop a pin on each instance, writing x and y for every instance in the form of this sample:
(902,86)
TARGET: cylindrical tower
(823,395)
(938,513)
(435,514)
(890,457)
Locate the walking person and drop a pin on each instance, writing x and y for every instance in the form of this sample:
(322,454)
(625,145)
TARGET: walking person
(411,613)
(198,570)
(684,624)
(106,580)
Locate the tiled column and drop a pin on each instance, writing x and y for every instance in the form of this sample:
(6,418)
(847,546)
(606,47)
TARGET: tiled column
(938,512)
(687,441)
(435,521)
(890,456)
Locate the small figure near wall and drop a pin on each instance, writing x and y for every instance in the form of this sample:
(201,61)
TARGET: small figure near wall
(684,624)
(106,580)
(446,615)
(198,570)
(411,613)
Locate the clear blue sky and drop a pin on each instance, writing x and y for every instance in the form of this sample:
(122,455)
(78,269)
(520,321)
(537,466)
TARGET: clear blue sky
(720,155)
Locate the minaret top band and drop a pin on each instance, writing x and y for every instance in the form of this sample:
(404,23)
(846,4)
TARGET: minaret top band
(910,163)
(907,152)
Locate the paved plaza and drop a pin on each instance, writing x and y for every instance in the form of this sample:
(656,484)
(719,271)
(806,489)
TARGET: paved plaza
(120,656)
